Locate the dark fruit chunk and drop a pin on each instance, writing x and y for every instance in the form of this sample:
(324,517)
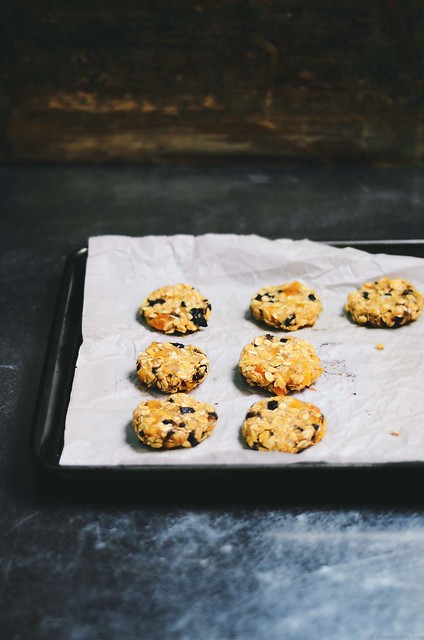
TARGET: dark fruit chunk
(200,374)
(290,320)
(157,301)
(197,315)
(272,404)
(311,296)
(178,344)
(192,439)
(366,295)
(186,410)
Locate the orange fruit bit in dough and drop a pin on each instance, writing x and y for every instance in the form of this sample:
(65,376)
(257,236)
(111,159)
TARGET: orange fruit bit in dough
(160,321)
(292,289)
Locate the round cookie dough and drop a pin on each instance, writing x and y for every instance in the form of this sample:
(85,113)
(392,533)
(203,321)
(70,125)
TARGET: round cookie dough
(172,366)
(287,306)
(178,421)
(283,424)
(178,308)
(279,364)
(385,303)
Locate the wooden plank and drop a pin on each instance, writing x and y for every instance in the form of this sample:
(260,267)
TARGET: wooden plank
(159,81)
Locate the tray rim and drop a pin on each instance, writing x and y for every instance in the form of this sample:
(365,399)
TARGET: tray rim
(46,439)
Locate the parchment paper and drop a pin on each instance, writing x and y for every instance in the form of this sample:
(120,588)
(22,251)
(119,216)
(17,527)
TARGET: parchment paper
(364,393)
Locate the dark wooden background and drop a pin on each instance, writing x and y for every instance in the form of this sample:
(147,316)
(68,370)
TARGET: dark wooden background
(284,81)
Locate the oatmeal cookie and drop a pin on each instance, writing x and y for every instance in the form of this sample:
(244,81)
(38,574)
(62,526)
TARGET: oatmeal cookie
(288,306)
(178,421)
(385,303)
(178,308)
(279,364)
(283,424)
(172,366)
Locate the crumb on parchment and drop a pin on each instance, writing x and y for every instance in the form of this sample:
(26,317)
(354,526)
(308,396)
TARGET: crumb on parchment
(379,346)
(394,433)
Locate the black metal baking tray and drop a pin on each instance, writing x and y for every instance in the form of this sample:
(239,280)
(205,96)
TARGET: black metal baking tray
(56,384)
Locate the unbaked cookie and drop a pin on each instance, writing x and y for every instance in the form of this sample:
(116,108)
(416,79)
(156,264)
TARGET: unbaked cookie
(178,308)
(279,364)
(172,366)
(178,421)
(283,424)
(288,306)
(385,303)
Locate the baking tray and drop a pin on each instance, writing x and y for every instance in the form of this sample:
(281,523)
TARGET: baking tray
(47,436)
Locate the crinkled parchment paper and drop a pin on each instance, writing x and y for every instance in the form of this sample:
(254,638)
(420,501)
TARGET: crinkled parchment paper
(365,394)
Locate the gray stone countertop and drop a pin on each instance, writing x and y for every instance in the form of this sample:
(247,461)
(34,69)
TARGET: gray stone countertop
(339,558)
